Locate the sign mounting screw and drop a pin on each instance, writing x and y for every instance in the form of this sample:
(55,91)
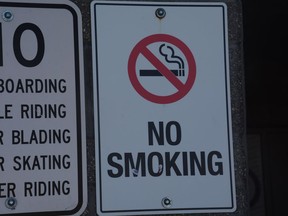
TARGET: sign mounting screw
(11,203)
(166,202)
(7,16)
(160,13)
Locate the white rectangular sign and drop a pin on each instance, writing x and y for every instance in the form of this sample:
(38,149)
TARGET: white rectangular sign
(162,108)
(42,121)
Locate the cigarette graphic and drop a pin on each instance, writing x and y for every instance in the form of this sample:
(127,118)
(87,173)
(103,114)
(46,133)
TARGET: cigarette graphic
(169,58)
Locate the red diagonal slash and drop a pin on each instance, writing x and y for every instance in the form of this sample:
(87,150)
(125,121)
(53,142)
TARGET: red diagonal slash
(161,68)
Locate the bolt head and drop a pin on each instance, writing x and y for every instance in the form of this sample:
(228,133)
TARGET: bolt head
(160,13)
(166,202)
(7,16)
(11,203)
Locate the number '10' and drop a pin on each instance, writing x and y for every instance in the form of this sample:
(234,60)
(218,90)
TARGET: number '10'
(17,45)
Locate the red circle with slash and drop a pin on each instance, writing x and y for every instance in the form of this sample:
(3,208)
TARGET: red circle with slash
(183,88)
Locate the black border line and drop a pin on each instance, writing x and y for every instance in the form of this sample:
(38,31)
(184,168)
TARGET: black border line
(227,107)
(78,103)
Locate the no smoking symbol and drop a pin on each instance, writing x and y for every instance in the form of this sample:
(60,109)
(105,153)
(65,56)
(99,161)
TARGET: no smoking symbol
(162,69)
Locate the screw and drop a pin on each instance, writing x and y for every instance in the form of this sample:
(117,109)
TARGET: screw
(160,13)
(11,203)
(7,16)
(166,202)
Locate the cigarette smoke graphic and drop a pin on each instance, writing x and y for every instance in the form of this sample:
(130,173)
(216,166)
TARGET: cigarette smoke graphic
(172,58)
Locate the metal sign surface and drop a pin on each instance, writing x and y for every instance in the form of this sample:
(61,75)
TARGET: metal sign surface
(42,122)
(162,108)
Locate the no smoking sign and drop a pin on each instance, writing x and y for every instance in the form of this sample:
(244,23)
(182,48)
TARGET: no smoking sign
(167,51)
(163,134)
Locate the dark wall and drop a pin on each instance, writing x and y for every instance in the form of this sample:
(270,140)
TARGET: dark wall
(265,49)
(266,77)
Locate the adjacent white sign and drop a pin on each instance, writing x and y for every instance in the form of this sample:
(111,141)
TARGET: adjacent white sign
(42,125)
(162,108)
